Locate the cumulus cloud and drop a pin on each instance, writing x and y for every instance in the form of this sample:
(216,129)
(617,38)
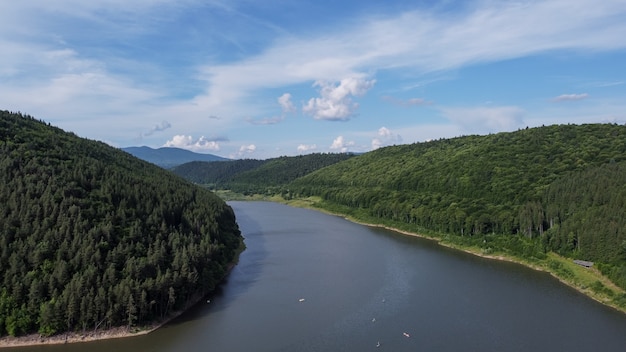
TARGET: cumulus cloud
(385,137)
(306,147)
(335,101)
(188,142)
(341,144)
(158,128)
(481,119)
(245,149)
(570,97)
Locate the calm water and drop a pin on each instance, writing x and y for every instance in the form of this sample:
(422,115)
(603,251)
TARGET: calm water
(313,282)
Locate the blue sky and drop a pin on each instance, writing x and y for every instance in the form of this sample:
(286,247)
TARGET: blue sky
(261,79)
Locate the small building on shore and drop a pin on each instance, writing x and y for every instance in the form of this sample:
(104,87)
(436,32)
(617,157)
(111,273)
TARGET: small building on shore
(584,263)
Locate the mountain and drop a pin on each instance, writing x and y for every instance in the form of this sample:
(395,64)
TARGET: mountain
(170,157)
(92,237)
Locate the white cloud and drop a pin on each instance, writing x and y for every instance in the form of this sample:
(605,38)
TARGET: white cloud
(65,87)
(286,104)
(188,142)
(424,41)
(336,102)
(244,150)
(385,137)
(570,97)
(179,141)
(247,148)
(306,147)
(204,144)
(340,144)
(489,119)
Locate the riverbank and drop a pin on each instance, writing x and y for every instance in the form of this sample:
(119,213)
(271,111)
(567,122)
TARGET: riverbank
(73,337)
(87,336)
(112,333)
(588,281)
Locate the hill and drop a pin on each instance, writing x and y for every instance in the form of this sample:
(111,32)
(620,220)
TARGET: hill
(257,176)
(92,237)
(215,174)
(553,188)
(170,157)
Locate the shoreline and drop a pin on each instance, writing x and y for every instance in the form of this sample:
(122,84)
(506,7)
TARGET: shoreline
(77,337)
(510,259)
(118,332)
(602,299)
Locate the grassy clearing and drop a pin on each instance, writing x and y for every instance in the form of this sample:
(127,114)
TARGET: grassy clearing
(588,281)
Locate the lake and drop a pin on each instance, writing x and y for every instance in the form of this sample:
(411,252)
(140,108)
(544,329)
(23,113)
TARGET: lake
(309,281)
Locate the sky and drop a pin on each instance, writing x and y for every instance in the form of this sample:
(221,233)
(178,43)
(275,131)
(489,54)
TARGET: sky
(262,79)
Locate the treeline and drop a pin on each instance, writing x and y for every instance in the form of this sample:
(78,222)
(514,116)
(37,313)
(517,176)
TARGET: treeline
(215,174)
(93,238)
(249,176)
(542,184)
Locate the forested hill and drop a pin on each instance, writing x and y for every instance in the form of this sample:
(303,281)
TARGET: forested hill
(215,174)
(563,185)
(257,176)
(92,237)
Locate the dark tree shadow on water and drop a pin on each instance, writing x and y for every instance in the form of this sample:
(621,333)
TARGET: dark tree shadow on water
(239,279)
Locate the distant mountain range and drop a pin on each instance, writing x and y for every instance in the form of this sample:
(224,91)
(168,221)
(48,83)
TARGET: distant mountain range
(167,157)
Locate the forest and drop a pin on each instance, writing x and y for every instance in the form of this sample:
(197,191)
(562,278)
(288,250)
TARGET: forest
(251,176)
(93,238)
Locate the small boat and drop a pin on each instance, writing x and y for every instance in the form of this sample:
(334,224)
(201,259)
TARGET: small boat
(373,320)
(406,334)
(378,344)
(301,300)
